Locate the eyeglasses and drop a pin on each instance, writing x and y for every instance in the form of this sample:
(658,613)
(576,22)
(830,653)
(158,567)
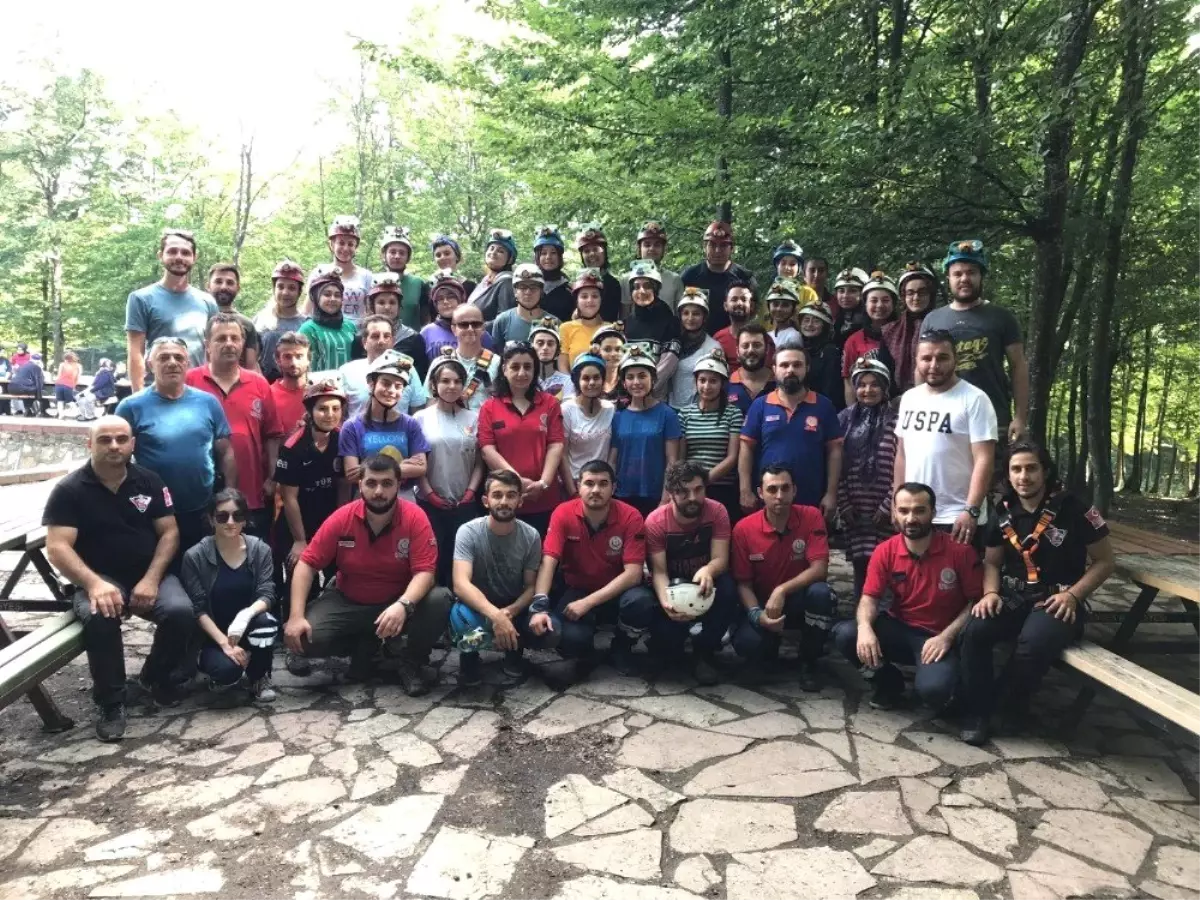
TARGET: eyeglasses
(472,323)
(223,517)
(918,295)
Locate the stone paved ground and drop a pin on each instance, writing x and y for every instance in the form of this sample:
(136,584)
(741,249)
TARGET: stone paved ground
(620,789)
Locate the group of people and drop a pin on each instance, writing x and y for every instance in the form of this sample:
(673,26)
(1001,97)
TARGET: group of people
(377,460)
(24,376)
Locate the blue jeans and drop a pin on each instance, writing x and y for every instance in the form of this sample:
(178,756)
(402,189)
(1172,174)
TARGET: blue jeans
(935,683)
(471,632)
(810,609)
(578,637)
(640,610)
(224,671)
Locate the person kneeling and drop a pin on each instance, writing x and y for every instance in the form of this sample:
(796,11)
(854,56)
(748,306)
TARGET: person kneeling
(600,544)
(781,562)
(933,581)
(384,553)
(1036,581)
(496,559)
(230,577)
(688,543)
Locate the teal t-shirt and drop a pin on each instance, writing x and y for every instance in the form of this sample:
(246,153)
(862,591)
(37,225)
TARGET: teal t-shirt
(157,312)
(640,438)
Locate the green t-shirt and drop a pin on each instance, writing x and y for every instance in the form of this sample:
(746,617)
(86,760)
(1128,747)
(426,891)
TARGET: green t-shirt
(330,347)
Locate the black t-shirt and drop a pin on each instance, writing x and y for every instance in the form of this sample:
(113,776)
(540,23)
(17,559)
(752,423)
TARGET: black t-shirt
(610,298)
(116,537)
(1061,555)
(300,464)
(717,284)
(560,302)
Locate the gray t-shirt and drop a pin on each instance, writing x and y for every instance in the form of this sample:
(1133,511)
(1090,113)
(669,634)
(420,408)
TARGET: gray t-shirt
(982,333)
(157,312)
(270,330)
(509,326)
(499,562)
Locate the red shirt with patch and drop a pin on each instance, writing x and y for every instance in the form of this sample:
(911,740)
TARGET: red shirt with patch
(766,558)
(289,405)
(374,569)
(930,591)
(250,408)
(523,439)
(590,560)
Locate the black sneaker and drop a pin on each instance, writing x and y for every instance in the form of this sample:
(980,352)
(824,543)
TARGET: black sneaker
(110,727)
(161,694)
(620,654)
(809,678)
(886,697)
(470,670)
(974,730)
(416,679)
(705,671)
(560,674)
(298,665)
(514,664)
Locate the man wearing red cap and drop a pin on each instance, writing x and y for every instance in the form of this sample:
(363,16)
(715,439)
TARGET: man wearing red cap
(717,272)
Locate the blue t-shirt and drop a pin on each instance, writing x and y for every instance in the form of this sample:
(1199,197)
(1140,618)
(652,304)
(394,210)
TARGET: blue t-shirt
(797,441)
(640,439)
(175,441)
(400,439)
(157,312)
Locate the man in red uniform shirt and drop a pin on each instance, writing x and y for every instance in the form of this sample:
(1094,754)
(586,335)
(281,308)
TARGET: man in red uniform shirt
(934,581)
(780,563)
(292,360)
(385,554)
(255,428)
(600,545)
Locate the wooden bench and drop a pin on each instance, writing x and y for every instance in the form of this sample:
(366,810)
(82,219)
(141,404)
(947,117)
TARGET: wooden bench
(1174,703)
(27,662)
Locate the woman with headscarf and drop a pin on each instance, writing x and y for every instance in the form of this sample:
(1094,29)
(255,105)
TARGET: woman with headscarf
(869,450)
(918,288)
(824,356)
(652,326)
(494,293)
(849,315)
(879,299)
(330,334)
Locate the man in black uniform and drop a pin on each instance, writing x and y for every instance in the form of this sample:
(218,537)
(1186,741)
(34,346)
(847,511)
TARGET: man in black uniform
(111,531)
(1036,583)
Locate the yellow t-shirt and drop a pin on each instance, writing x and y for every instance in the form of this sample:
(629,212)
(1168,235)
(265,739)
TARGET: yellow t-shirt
(807,296)
(576,338)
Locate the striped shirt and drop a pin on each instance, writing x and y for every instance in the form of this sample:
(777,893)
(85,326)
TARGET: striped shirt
(707,435)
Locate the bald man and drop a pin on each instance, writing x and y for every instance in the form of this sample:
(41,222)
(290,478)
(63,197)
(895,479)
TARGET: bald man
(111,531)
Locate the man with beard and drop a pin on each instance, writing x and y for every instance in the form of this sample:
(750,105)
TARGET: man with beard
(249,407)
(514,324)
(688,540)
(384,553)
(557,299)
(356,282)
(593,252)
(281,315)
(224,284)
(481,364)
(1047,552)
(753,375)
(717,272)
(599,544)
(946,437)
(179,432)
(170,307)
(496,560)
(933,582)
(781,563)
(395,248)
(741,305)
(292,362)
(985,335)
(652,245)
(111,532)
(797,428)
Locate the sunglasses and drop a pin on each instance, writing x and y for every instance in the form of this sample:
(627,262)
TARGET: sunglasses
(223,517)
(473,323)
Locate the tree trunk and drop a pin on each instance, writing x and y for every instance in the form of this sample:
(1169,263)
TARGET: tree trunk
(725,111)
(1194,490)
(1056,442)
(245,199)
(1072,406)
(1049,235)
(1171,470)
(56,310)
(1124,423)
(1139,423)
(1137,30)
(1079,484)
(1161,424)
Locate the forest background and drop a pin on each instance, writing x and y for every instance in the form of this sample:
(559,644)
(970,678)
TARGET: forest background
(1060,132)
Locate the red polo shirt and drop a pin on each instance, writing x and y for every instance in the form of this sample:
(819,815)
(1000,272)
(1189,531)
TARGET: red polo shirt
(591,559)
(928,592)
(374,569)
(766,558)
(250,409)
(523,439)
(729,346)
(289,404)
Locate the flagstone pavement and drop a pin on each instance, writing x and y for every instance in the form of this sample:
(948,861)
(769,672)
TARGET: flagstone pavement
(619,789)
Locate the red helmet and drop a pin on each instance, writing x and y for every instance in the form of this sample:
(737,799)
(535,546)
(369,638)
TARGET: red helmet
(652,231)
(288,270)
(319,390)
(386,283)
(588,278)
(719,233)
(344,225)
(590,235)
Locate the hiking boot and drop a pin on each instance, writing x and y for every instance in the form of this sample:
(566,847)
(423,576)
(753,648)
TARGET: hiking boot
(161,694)
(514,664)
(110,726)
(620,654)
(974,730)
(416,679)
(705,671)
(262,691)
(470,670)
(298,665)
(885,697)
(809,676)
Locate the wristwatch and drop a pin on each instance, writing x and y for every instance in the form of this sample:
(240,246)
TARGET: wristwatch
(974,512)
(408,607)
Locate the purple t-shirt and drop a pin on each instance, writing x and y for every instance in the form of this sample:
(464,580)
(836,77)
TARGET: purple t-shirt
(400,439)
(436,337)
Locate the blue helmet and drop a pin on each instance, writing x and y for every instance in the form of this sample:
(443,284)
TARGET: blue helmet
(788,248)
(505,239)
(548,236)
(970,250)
(587,358)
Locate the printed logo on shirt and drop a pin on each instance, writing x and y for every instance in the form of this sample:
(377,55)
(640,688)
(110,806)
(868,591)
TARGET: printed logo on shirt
(573,537)
(496,426)
(1094,518)
(967,354)
(1056,536)
(798,547)
(811,423)
(543,422)
(347,542)
(757,557)
(615,543)
(402,548)
(281,463)
(167,502)
(926,420)
(256,409)
(771,418)
(947,578)
(141,502)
